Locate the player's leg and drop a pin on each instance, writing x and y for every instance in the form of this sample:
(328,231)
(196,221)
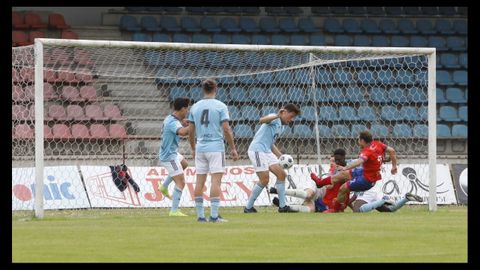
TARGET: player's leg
(340,177)
(408,197)
(297,193)
(261,168)
(216,163)
(279,172)
(357,204)
(163,188)
(201,167)
(177,194)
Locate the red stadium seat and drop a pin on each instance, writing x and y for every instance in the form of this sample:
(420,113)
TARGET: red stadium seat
(117,131)
(82,57)
(58,112)
(76,113)
(80,131)
(23,131)
(99,131)
(34,21)
(47,132)
(66,77)
(35,34)
(70,93)
(95,112)
(67,34)
(18,21)
(18,94)
(15,75)
(20,112)
(48,91)
(56,21)
(19,38)
(89,93)
(61,131)
(58,56)
(84,75)
(113,112)
(27,74)
(50,76)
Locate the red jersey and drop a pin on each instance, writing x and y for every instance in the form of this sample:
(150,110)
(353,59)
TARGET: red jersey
(331,193)
(372,155)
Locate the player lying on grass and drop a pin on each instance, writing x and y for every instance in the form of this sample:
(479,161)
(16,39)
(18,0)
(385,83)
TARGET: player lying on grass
(366,201)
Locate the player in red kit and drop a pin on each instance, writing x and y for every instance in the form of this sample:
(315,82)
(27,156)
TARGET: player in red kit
(364,178)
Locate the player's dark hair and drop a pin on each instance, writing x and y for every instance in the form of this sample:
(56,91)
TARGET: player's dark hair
(340,151)
(290,107)
(181,102)
(209,85)
(339,156)
(366,136)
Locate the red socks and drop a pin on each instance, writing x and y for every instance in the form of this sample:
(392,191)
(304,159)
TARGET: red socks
(321,182)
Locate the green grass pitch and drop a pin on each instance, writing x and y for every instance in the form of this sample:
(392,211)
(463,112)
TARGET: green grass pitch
(412,234)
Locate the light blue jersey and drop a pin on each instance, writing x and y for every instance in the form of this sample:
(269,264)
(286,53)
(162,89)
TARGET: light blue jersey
(170,138)
(266,136)
(208,115)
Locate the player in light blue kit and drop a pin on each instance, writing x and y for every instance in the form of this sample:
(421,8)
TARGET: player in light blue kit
(209,124)
(263,154)
(174,126)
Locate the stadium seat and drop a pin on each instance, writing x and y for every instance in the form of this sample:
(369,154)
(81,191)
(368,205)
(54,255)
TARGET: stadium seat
(76,112)
(278,94)
(379,131)
(260,39)
(332,25)
(18,21)
(463,60)
(308,113)
(460,130)
(449,60)
(438,42)
(455,95)
(423,112)
(34,21)
(340,130)
(336,94)
(162,37)
(35,34)
(317,39)
(298,39)
(302,131)
(280,39)
(418,41)
(181,37)
(18,94)
(354,94)
(343,40)
(250,113)
(328,113)
(381,41)
(20,38)
(307,25)
(366,76)
(140,36)
(20,112)
(463,113)
(388,26)
(48,92)
(57,21)
(379,95)
(406,26)
(209,24)
(356,129)
(370,26)
(456,44)
(460,77)
(129,23)
(448,113)
(95,112)
(397,95)
(99,131)
(405,77)
(240,38)
(58,112)
(460,27)
(221,38)
(229,24)
(269,25)
(385,77)
(288,25)
(170,24)
(190,24)
(444,78)
(420,131)
(23,131)
(444,27)
(80,131)
(443,131)
(324,131)
(351,26)
(150,24)
(440,96)
(113,112)
(343,76)
(399,41)
(409,113)
(416,95)
(243,131)
(214,59)
(318,95)
(89,93)
(402,131)
(239,94)
(61,131)
(348,113)
(117,131)
(390,113)
(71,93)
(361,40)
(425,27)
(234,113)
(47,132)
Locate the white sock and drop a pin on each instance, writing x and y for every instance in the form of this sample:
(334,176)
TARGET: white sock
(300,208)
(298,193)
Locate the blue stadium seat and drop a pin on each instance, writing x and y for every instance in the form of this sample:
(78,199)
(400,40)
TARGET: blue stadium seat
(239,38)
(222,95)
(438,42)
(390,113)
(460,130)
(405,77)
(456,43)
(192,58)
(367,113)
(280,39)
(324,76)
(229,24)
(440,96)
(444,27)
(227,80)
(318,95)
(348,113)
(278,94)
(196,94)
(149,23)
(239,94)
(460,27)
(402,131)
(463,60)
(418,41)
(444,78)
(328,113)
(417,95)
(181,37)
(409,113)
(443,131)
(190,24)
(287,132)
(423,113)
(381,41)
(302,76)
(209,24)
(221,38)
(336,94)
(250,113)
(361,40)
(448,113)
(343,40)
(463,113)
(460,77)
(308,113)
(298,39)
(369,26)
(302,131)
(176,92)
(266,110)
(354,94)
(420,131)
(379,95)
(324,131)
(332,25)
(265,78)
(288,24)
(254,59)
(421,77)
(366,76)
(386,76)
(214,59)
(406,26)
(201,38)
(139,36)
(379,131)
(399,41)
(307,25)
(388,26)
(260,95)
(129,23)
(356,129)
(425,26)
(248,25)
(397,95)
(449,60)
(341,131)
(269,25)
(351,26)
(170,24)
(343,76)
(160,37)
(317,39)
(243,131)
(185,75)
(455,95)
(260,39)
(165,75)
(233,59)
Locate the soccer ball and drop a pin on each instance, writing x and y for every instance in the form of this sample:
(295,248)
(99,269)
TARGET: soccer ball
(286,161)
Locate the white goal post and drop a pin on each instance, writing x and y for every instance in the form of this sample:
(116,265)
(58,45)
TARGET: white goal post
(315,72)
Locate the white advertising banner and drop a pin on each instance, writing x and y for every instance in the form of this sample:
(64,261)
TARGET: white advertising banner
(62,188)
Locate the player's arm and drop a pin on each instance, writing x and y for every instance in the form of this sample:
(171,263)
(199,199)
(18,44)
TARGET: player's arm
(183,131)
(275,150)
(191,136)
(269,118)
(393,158)
(355,163)
(227,131)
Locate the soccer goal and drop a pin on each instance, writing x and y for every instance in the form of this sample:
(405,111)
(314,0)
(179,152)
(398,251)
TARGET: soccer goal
(81,106)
